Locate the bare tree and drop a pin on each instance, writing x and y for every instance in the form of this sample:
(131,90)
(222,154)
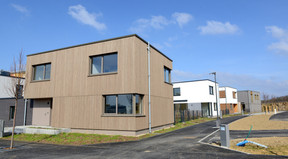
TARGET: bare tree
(15,88)
(265,97)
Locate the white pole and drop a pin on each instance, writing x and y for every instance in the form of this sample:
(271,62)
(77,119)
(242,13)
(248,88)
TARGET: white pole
(149,98)
(25,111)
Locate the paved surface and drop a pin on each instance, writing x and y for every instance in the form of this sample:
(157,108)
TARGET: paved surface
(280,116)
(177,144)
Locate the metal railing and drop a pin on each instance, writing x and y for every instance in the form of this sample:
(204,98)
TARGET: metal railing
(186,115)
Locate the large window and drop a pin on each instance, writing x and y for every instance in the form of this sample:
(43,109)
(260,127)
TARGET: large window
(42,72)
(123,104)
(104,64)
(211,91)
(11,112)
(19,90)
(176,92)
(167,76)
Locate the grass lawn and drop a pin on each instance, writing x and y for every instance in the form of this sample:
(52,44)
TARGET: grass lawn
(84,139)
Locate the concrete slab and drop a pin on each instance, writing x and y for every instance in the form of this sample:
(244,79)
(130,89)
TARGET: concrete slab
(36,130)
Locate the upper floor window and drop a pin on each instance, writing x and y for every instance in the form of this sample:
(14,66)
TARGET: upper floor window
(104,64)
(167,76)
(211,91)
(234,94)
(19,89)
(42,72)
(176,92)
(222,94)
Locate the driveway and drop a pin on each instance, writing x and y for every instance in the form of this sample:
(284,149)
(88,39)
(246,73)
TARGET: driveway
(177,144)
(280,116)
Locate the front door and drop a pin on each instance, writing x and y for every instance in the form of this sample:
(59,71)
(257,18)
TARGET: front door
(41,112)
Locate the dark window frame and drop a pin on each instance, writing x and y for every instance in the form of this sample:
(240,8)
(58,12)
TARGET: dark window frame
(44,72)
(102,64)
(19,90)
(169,75)
(11,113)
(134,113)
(174,93)
(211,90)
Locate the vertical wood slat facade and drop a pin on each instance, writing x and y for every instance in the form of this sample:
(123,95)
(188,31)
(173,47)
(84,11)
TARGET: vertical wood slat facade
(78,96)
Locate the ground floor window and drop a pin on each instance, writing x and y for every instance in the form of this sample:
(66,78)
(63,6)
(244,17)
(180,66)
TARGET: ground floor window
(215,107)
(123,104)
(11,112)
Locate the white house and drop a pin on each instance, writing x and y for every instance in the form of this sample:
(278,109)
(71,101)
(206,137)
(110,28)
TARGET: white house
(197,95)
(7,103)
(228,100)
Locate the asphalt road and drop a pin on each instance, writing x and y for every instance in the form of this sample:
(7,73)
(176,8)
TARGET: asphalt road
(280,116)
(177,144)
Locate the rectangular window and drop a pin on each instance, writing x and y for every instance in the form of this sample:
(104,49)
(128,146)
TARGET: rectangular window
(176,92)
(104,64)
(167,76)
(211,91)
(110,104)
(42,72)
(19,90)
(123,104)
(222,94)
(11,112)
(234,95)
(138,99)
(215,107)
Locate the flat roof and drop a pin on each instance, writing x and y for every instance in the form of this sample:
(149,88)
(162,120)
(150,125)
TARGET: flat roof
(227,86)
(11,77)
(248,90)
(121,37)
(194,81)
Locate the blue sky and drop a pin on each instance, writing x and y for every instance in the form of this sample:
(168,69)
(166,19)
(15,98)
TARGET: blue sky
(245,42)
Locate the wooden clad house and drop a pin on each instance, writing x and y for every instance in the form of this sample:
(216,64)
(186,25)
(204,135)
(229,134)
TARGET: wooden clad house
(101,87)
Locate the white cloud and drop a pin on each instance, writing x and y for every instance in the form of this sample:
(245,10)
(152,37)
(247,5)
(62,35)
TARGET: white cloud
(182,18)
(272,87)
(281,46)
(80,13)
(215,27)
(159,22)
(155,22)
(20,9)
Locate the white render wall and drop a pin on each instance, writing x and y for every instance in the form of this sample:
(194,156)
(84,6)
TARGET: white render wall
(196,92)
(229,95)
(5,83)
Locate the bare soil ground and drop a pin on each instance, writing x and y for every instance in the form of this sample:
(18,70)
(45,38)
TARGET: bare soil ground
(259,122)
(276,146)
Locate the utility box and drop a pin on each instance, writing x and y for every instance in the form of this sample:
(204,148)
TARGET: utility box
(224,135)
(218,122)
(2,122)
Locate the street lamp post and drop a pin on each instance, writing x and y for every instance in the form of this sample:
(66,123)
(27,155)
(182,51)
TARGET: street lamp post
(217,121)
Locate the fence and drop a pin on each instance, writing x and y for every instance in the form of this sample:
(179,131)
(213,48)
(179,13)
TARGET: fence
(186,115)
(225,112)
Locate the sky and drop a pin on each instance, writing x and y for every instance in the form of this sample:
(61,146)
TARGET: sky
(245,42)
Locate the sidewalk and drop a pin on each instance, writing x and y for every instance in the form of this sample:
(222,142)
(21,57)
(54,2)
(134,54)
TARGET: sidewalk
(30,129)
